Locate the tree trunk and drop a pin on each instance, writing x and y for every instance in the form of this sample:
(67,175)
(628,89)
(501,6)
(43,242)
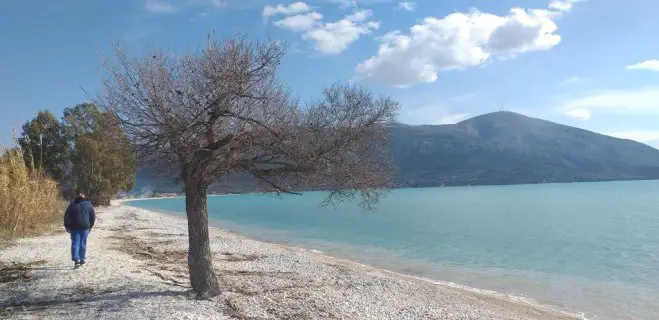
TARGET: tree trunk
(200,263)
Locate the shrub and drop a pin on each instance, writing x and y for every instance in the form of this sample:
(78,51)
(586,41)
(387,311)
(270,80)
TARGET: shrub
(28,197)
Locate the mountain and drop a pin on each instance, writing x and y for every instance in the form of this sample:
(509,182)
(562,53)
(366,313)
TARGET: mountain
(509,148)
(493,149)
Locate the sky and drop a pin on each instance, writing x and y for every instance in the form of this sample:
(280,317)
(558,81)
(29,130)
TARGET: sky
(592,64)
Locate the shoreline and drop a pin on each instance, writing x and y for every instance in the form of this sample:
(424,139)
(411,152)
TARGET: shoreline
(498,295)
(631,180)
(123,201)
(492,293)
(137,268)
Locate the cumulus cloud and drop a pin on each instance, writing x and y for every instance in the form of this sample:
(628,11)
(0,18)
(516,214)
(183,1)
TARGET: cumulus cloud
(407,6)
(563,5)
(328,37)
(344,4)
(359,15)
(581,114)
(293,8)
(161,7)
(631,101)
(650,65)
(458,41)
(524,31)
(300,22)
(335,37)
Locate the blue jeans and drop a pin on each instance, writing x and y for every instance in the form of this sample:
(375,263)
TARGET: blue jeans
(79,244)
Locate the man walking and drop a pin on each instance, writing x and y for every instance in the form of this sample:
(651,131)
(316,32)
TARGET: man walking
(78,221)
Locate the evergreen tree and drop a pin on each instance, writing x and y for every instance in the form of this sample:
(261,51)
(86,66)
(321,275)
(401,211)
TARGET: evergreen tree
(45,146)
(102,158)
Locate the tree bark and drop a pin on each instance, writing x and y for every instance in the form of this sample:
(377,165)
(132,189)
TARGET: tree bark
(200,263)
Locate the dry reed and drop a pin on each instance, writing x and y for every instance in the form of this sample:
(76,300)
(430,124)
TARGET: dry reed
(28,198)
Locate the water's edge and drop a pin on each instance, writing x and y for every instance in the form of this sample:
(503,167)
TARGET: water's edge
(214,224)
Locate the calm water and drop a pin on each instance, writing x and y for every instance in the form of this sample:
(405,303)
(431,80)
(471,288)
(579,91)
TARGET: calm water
(586,247)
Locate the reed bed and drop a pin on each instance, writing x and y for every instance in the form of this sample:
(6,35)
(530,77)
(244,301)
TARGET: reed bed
(29,199)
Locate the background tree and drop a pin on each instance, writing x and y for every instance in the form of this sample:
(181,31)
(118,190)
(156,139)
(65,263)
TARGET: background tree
(223,111)
(102,159)
(44,145)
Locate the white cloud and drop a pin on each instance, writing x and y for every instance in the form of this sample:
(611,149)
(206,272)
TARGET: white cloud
(651,65)
(563,5)
(330,37)
(407,6)
(359,15)
(582,114)
(155,6)
(458,41)
(345,4)
(335,37)
(300,22)
(524,31)
(452,118)
(293,8)
(631,101)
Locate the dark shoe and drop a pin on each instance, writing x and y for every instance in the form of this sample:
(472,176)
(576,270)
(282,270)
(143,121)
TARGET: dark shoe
(76,265)
(82,263)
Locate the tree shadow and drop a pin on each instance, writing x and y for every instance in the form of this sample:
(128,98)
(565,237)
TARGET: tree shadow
(79,299)
(18,271)
(51,268)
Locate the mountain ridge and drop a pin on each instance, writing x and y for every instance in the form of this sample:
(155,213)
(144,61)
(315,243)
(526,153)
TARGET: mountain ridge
(496,148)
(509,148)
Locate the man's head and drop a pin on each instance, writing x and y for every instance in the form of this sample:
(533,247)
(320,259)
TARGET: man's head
(80,194)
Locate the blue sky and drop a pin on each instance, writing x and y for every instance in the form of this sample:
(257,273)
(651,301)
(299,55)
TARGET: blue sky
(591,64)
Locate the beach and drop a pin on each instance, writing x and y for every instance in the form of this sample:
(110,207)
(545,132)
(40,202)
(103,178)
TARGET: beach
(137,269)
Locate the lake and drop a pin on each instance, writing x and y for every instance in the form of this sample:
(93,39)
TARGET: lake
(585,247)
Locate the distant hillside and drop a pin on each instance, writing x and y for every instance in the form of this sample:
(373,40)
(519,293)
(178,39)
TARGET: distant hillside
(509,148)
(496,148)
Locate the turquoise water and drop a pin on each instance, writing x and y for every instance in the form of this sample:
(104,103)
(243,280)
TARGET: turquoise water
(585,247)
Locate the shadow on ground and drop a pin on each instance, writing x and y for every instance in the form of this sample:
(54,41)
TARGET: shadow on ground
(106,301)
(18,271)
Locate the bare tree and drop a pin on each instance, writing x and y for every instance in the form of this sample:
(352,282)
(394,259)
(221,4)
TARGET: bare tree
(223,111)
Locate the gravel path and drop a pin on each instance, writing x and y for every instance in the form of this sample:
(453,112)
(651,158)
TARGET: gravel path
(137,270)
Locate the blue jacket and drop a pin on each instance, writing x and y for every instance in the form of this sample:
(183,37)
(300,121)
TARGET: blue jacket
(80,215)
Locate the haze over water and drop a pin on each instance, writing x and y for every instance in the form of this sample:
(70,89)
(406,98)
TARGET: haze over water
(586,247)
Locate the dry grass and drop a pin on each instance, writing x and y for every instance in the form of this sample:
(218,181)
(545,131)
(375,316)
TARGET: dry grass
(29,200)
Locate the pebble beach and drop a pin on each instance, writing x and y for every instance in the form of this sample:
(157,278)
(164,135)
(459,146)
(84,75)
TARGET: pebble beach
(137,270)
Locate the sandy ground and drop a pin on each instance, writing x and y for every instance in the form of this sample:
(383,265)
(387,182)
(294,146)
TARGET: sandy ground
(137,270)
